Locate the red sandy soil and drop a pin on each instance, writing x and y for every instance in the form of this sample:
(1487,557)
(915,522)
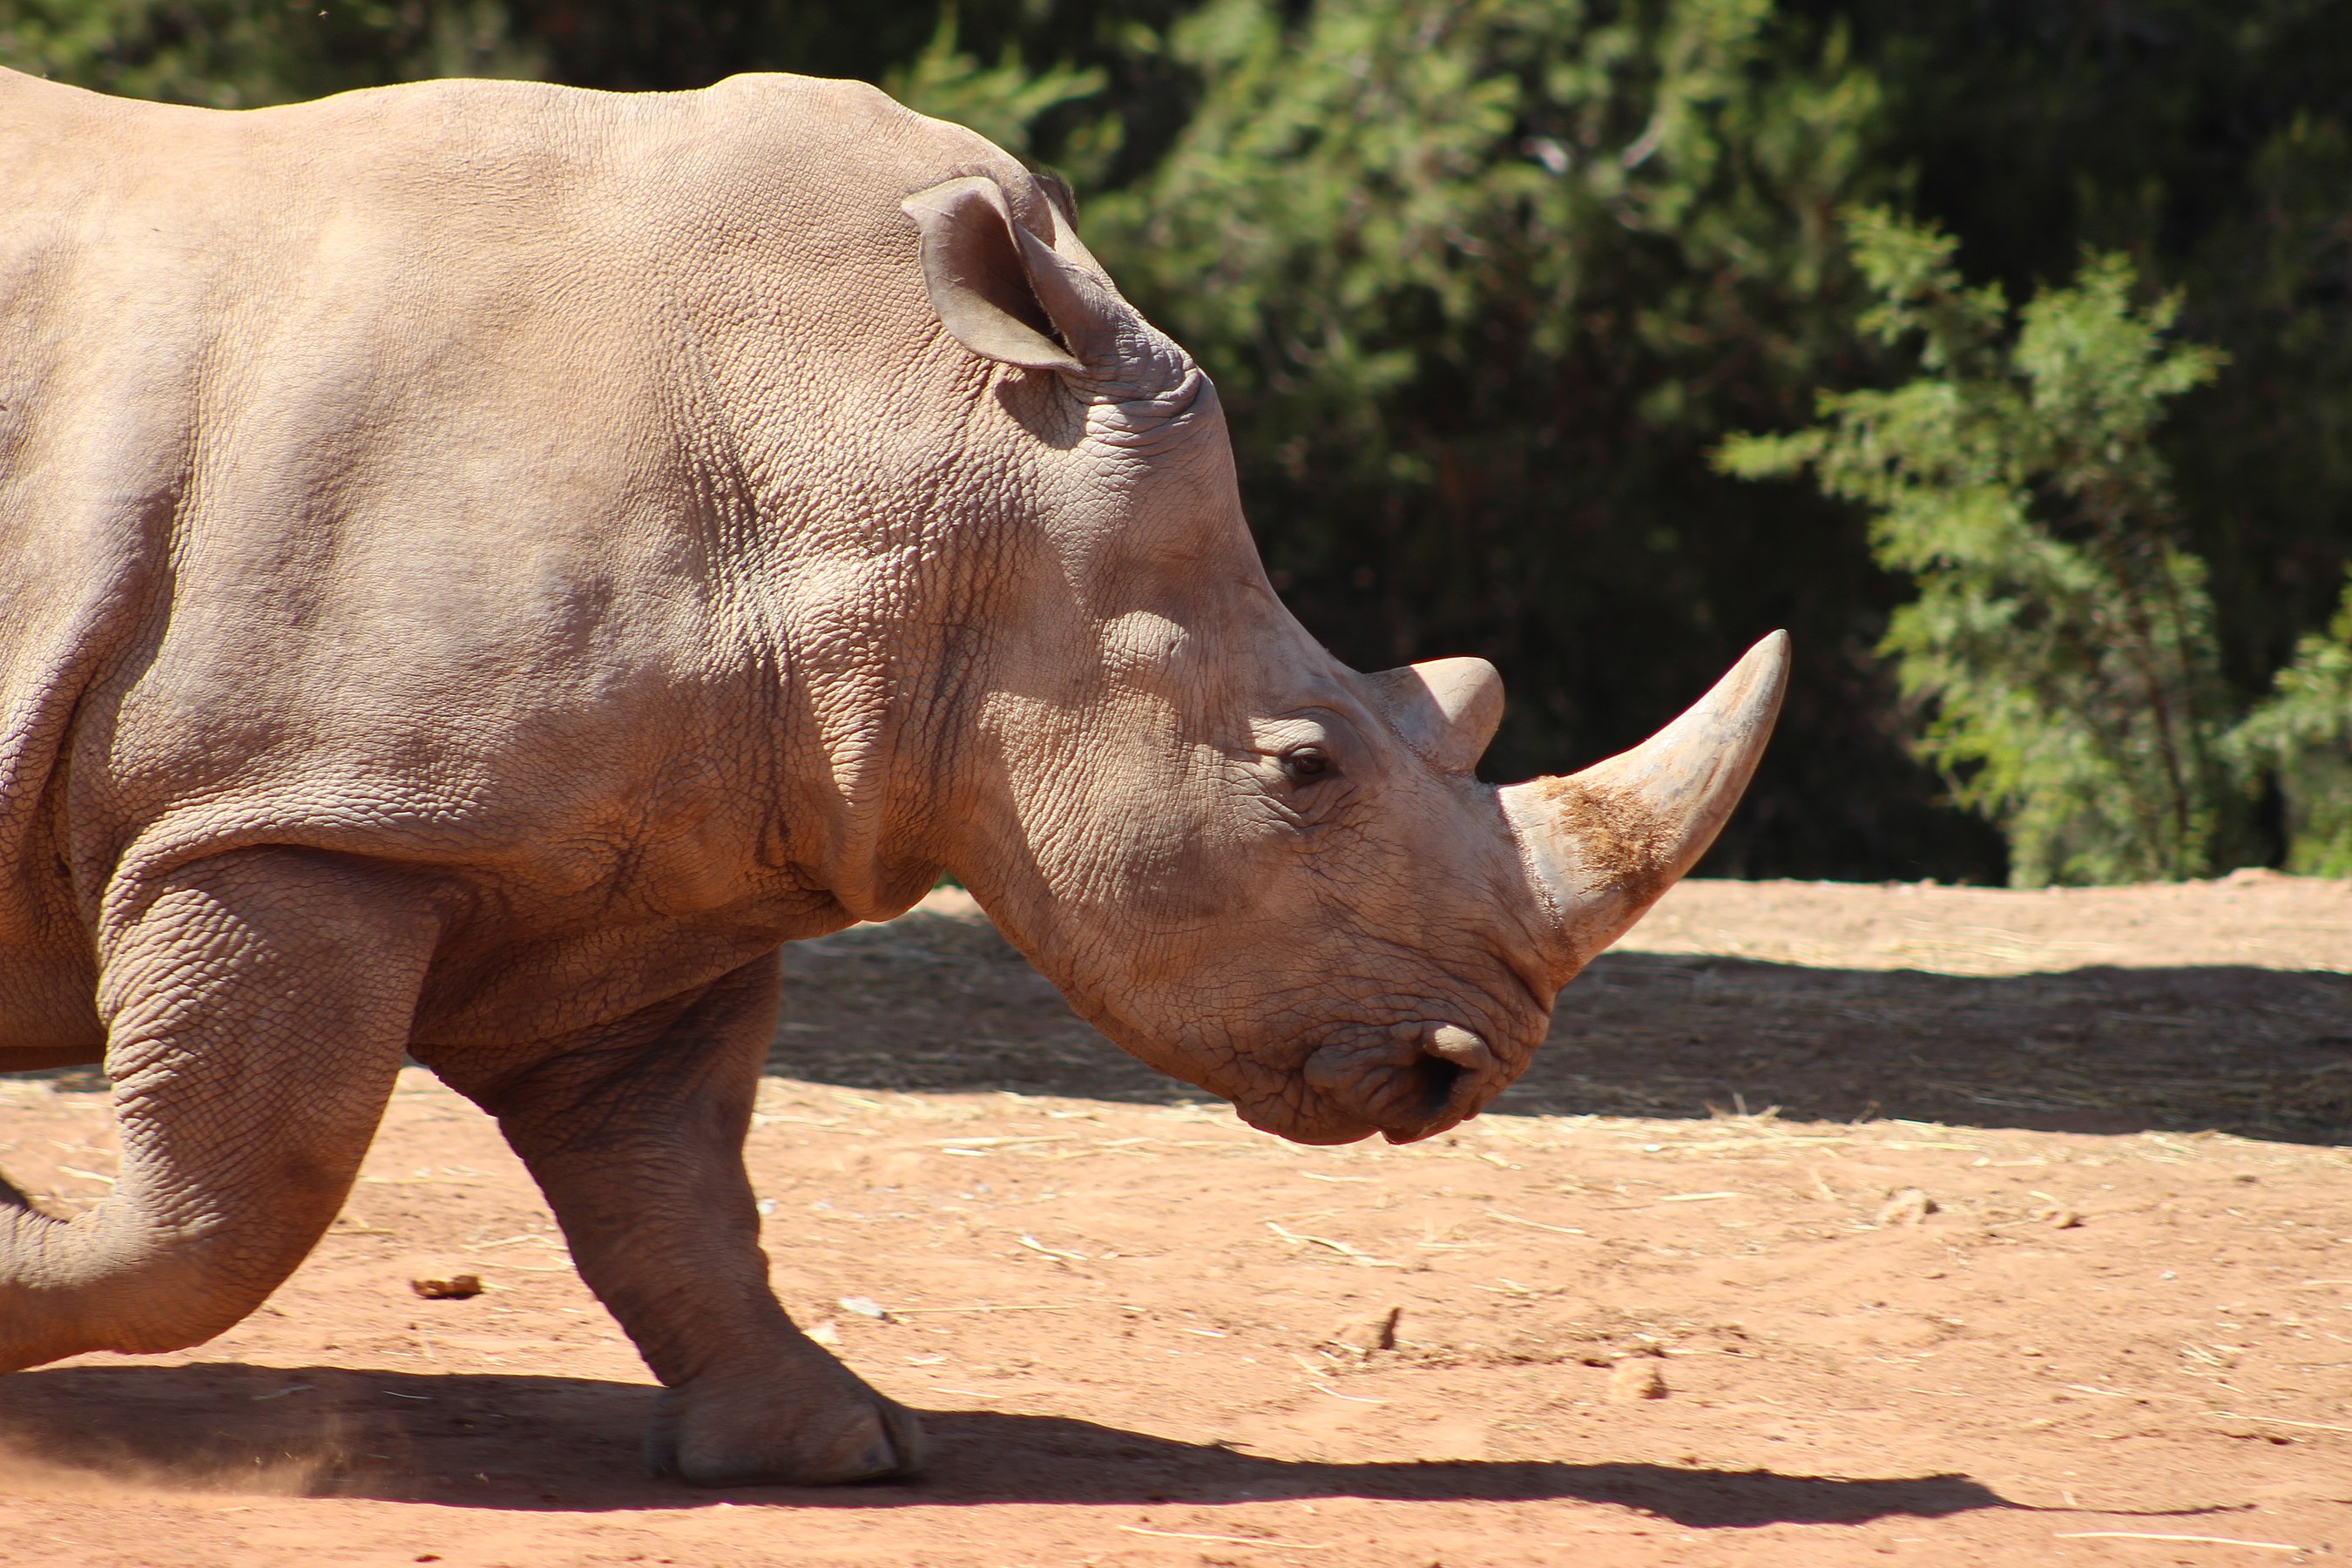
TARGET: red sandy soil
(1949,1226)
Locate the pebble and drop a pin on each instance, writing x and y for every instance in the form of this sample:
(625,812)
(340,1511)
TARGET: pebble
(1909,1206)
(1375,1331)
(1634,1379)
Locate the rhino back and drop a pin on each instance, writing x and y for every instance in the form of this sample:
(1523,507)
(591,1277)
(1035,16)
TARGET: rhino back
(465,472)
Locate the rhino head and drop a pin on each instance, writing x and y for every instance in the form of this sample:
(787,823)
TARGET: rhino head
(1254,868)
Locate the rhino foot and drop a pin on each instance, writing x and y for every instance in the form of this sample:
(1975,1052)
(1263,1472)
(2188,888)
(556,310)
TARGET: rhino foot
(743,1434)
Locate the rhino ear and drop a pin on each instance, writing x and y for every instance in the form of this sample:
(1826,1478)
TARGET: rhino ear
(1006,294)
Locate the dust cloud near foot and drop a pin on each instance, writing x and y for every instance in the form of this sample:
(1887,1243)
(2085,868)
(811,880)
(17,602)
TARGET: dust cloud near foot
(1834,1223)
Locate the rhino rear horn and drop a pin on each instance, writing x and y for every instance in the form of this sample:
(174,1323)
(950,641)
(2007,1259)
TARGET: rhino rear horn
(1008,296)
(1445,708)
(1603,844)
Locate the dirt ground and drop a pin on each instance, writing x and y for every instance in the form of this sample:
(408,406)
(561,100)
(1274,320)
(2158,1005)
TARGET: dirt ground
(1836,1225)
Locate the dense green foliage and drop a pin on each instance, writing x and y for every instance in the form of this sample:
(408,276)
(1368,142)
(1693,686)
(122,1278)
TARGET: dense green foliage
(2061,639)
(1484,282)
(2303,736)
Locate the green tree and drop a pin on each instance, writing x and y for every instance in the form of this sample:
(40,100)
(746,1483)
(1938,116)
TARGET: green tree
(2061,639)
(1003,102)
(2212,143)
(2303,736)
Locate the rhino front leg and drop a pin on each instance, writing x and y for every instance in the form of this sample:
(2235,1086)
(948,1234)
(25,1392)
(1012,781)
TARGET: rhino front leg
(636,1138)
(257,1009)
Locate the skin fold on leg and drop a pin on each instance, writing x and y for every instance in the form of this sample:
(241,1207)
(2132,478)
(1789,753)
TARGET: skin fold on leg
(257,1007)
(636,1138)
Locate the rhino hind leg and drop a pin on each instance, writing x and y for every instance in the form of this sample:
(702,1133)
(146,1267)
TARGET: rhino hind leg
(257,1005)
(637,1138)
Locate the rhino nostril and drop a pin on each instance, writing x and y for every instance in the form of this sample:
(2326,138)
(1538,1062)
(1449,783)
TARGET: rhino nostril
(1460,1046)
(1433,1079)
(1449,1054)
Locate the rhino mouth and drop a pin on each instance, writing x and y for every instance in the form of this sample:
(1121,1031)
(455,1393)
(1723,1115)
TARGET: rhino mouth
(1406,1082)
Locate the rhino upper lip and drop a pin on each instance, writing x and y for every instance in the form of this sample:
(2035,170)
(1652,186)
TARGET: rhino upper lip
(1446,1094)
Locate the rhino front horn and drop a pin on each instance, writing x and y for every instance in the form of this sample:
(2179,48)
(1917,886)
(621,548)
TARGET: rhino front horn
(1602,845)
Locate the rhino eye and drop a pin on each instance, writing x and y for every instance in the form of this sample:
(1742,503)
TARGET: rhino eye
(1305,765)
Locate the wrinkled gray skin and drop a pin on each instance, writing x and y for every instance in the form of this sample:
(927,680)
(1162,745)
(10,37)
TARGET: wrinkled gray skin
(483,565)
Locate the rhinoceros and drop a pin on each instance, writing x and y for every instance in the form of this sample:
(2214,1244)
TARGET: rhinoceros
(484,564)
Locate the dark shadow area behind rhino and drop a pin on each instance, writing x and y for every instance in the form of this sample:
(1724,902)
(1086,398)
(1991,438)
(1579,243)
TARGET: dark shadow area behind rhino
(942,1004)
(499,1441)
(937,1003)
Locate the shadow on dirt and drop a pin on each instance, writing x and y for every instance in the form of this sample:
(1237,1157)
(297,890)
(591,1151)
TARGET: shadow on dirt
(942,1004)
(936,1003)
(569,1444)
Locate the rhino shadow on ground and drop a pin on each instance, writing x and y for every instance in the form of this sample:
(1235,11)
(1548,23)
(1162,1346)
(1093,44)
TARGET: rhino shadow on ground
(566,1444)
(941,1003)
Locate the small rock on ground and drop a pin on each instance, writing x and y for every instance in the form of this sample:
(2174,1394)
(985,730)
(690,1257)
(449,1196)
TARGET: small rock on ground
(1909,1206)
(1634,1379)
